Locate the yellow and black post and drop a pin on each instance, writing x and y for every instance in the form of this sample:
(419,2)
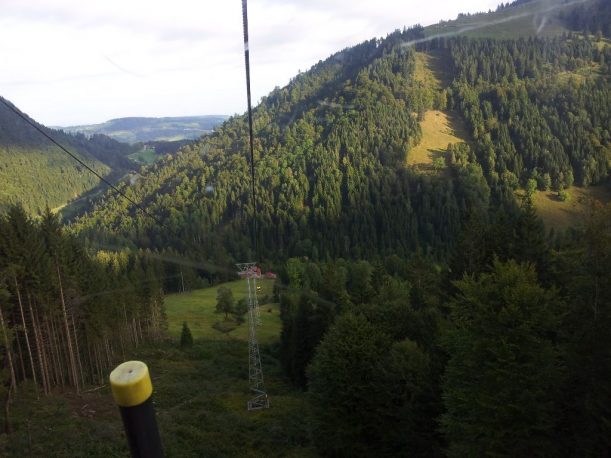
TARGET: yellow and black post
(132,389)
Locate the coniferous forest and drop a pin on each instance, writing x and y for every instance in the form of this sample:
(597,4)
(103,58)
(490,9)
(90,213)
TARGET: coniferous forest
(68,316)
(35,173)
(422,314)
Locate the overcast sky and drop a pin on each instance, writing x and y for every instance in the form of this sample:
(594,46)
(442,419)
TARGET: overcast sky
(67,62)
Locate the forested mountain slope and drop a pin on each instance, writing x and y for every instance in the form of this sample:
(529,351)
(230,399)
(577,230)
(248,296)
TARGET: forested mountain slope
(331,146)
(36,173)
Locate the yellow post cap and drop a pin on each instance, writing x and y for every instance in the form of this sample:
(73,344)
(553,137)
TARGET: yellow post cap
(130,383)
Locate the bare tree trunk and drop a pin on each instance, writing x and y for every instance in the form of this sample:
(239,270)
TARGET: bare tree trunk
(7,411)
(78,354)
(21,364)
(60,363)
(54,360)
(9,352)
(99,362)
(107,351)
(44,350)
(94,363)
(153,321)
(127,326)
(45,385)
(122,343)
(135,331)
(140,329)
(67,329)
(27,339)
(91,359)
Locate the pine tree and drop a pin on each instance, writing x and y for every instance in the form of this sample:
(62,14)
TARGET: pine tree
(186,338)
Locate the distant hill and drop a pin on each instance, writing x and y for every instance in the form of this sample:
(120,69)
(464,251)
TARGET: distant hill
(36,173)
(140,129)
(530,18)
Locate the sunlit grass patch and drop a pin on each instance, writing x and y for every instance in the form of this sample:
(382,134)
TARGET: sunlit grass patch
(439,128)
(197,308)
(561,215)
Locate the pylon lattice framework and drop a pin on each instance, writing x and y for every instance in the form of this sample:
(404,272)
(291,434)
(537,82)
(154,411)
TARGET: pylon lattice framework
(250,272)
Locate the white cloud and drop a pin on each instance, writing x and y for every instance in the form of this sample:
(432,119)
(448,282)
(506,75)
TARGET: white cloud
(71,62)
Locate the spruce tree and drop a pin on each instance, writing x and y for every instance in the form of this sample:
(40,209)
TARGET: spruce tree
(186,338)
(503,368)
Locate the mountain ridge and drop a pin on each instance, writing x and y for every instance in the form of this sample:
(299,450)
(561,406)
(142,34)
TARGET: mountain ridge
(134,129)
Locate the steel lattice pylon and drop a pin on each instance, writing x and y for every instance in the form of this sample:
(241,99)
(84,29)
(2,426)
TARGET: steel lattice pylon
(251,272)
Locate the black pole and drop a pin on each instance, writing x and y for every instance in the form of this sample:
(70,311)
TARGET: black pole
(250,129)
(132,389)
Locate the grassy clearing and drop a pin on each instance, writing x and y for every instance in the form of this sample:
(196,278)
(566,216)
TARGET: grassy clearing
(439,128)
(197,308)
(424,73)
(432,69)
(562,215)
(200,397)
(144,156)
(581,74)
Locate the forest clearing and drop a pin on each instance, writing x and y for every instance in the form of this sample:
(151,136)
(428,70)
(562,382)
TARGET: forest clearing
(439,129)
(200,396)
(563,214)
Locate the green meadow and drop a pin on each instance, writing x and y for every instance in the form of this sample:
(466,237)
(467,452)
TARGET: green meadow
(197,309)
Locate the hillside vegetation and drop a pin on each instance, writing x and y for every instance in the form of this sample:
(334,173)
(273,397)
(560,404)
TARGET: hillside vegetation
(200,397)
(330,150)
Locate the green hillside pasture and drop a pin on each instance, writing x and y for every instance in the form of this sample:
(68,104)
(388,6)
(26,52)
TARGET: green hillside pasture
(562,215)
(197,308)
(439,128)
(145,156)
(430,70)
